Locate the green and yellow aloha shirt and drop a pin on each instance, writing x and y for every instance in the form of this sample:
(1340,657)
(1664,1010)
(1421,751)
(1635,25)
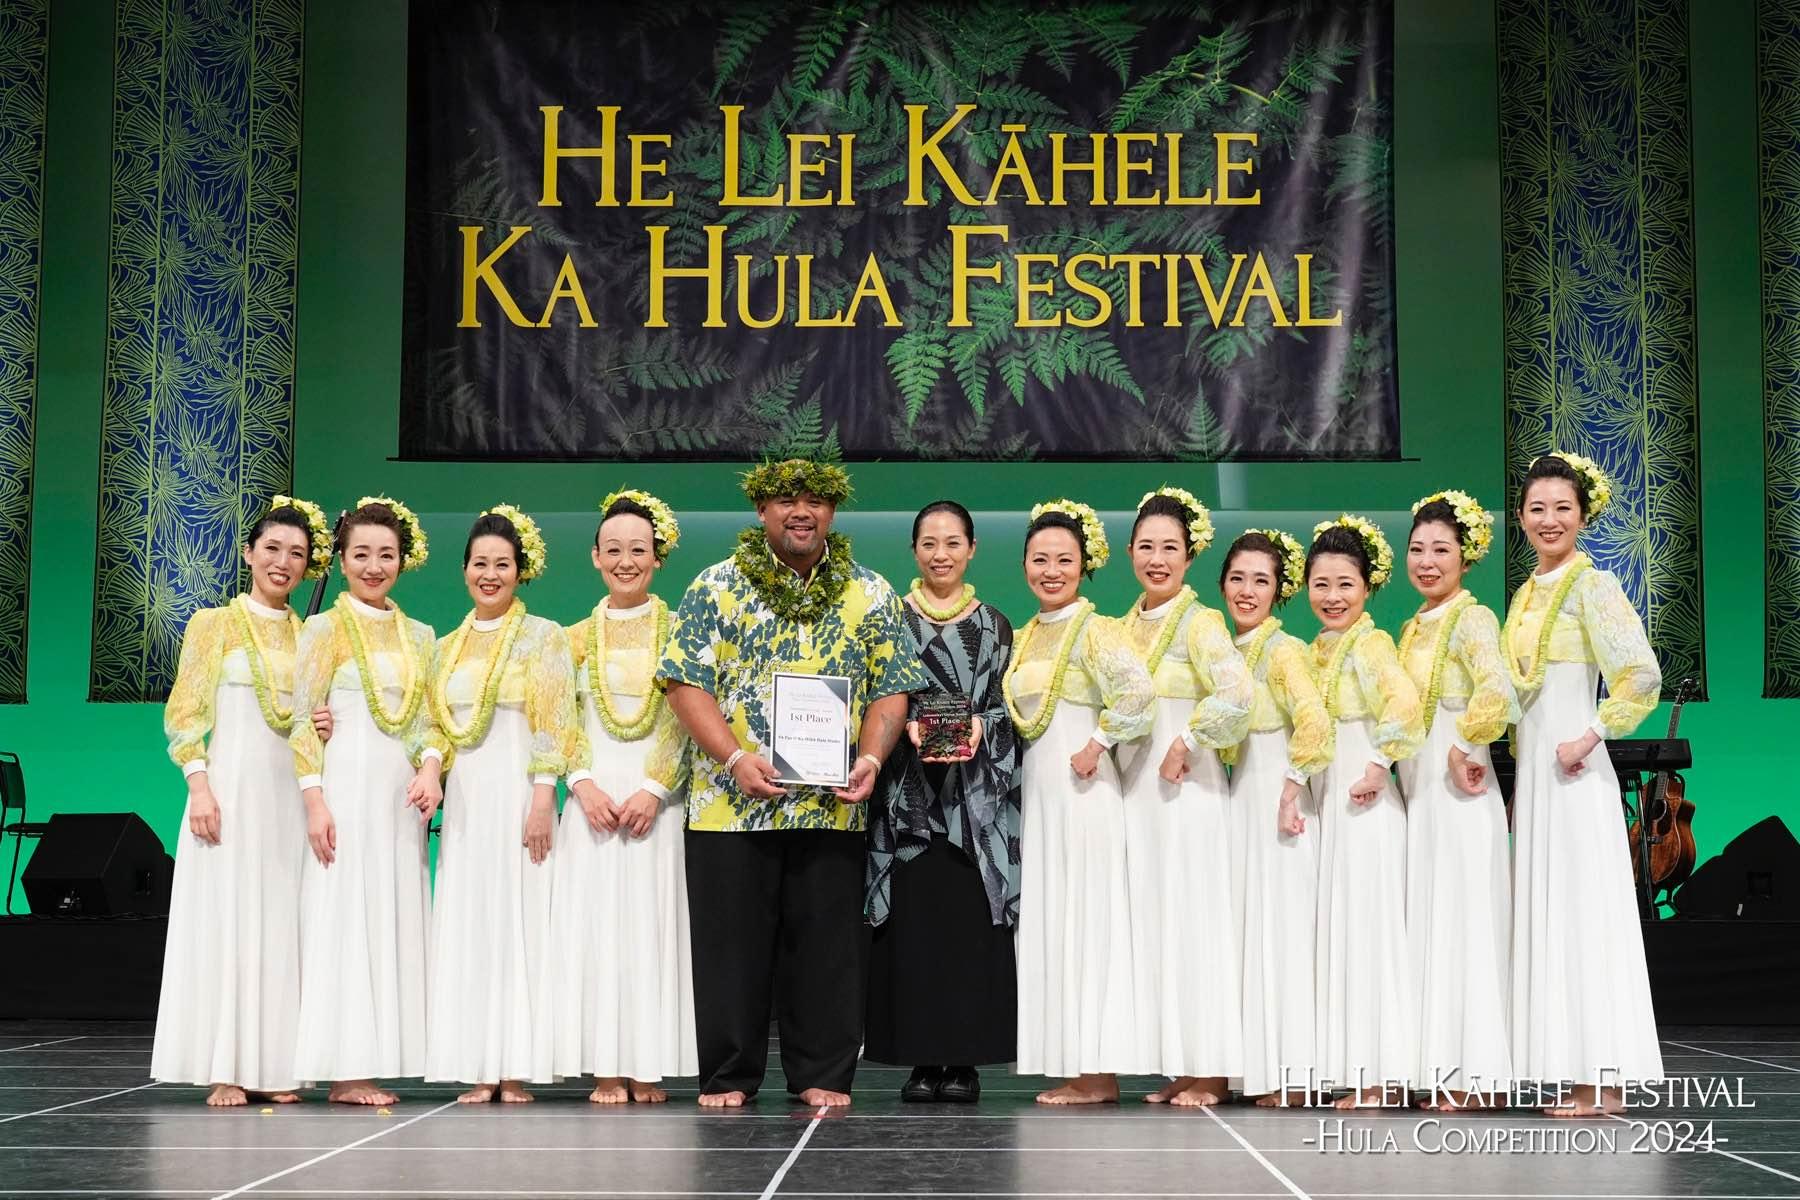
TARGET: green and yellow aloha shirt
(726,641)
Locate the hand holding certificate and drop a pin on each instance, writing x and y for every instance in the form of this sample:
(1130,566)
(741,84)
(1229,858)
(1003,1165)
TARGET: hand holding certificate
(809,729)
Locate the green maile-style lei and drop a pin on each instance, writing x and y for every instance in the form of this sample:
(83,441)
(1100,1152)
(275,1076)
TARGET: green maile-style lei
(1033,728)
(781,588)
(618,728)
(489,697)
(1253,653)
(1171,625)
(1440,653)
(412,690)
(1540,662)
(278,719)
(1334,666)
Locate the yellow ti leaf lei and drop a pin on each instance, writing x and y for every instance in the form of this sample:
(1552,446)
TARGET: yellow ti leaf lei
(1440,653)
(638,726)
(1034,728)
(278,719)
(412,688)
(468,735)
(1540,662)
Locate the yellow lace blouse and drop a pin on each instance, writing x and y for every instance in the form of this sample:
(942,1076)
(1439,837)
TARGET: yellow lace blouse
(1596,625)
(1103,673)
(629,677)
(1373,685)
(213,654)
(1285,696)
(1200,664)
(538,677)
(1474,679)
(324,663)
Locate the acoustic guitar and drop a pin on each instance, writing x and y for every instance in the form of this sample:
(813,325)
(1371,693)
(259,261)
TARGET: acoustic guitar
(1669,816)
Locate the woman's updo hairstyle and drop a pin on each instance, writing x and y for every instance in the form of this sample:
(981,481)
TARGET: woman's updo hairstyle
(373,514)
(495,525)
(625,506)
(287,514)
(1054,519)
(1341,539)
(1168,506)
(1549,466)
(1440,512)
(1256,542)
(954,509)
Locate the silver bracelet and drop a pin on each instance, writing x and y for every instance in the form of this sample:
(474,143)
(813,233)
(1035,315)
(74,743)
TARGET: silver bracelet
(733,760)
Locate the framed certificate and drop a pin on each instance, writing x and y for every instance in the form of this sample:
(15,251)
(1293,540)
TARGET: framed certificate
(809,729)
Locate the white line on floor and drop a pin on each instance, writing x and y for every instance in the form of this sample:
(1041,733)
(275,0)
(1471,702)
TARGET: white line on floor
(1292,1187)
(1740,1058)
(35,1045)
(75,1103)
(379,1133)
(1749,1162)
(794,1154)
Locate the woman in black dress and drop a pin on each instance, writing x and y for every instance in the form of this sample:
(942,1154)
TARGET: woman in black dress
(943,891)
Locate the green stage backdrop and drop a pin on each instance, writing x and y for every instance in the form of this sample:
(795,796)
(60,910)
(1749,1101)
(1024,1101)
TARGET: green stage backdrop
(84,756)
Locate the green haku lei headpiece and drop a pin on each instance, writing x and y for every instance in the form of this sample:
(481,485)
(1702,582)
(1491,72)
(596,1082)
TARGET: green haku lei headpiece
(794,476)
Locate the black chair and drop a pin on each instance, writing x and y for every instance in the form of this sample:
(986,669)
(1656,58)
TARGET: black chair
(12,797)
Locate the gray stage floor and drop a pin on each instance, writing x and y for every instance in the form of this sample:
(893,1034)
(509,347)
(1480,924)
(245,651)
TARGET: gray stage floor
(77,1118)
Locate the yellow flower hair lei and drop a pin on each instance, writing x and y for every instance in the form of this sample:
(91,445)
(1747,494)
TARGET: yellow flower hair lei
(318,529)
(1477,522)
(489,697)
(1199,526)
(1440,653)
(1515,616)
(1033,728)
(416,547)
(1171,624)
(1293,561)
(412,688)
(639,726)
(279,719)
(1599,486)
(1333,673)
(1093,533)
(1381,555)
(531,540)
(665,530)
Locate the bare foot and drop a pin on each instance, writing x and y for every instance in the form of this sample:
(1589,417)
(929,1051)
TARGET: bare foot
(647,1093)
(1087,1089)
(1275,1100)
(1202,1093)
(226,1095)
(1367,1098)
(1170,1090)
(275,1097)
(1453,1102)
(723,1099)
(610,1090)
(1589,1102)
(359,1091)
(822,1098)
(479,1094)
(513,1092)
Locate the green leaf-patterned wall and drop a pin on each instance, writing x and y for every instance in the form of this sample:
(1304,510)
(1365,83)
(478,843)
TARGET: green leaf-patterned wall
(198,412)
(1778,138)
(24,46)
(1597,226)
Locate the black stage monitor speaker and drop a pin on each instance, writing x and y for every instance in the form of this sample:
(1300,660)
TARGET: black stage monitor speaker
(96,865)
(1755,878)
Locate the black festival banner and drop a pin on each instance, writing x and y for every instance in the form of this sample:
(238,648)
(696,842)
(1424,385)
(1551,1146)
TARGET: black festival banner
(873,229)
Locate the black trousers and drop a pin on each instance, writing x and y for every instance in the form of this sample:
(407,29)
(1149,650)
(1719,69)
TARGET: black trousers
(777,916)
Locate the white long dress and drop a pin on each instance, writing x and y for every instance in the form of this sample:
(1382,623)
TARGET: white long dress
(1581,1009)
(1458,877)
(1275,875)
(624,980)
(1367,1020)
(363,918)
(490,981)
(1077,1002)
(231,965)
(1184,949)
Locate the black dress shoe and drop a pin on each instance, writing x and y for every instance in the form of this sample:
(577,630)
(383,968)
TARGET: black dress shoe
(923,1086)
(961,1085)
